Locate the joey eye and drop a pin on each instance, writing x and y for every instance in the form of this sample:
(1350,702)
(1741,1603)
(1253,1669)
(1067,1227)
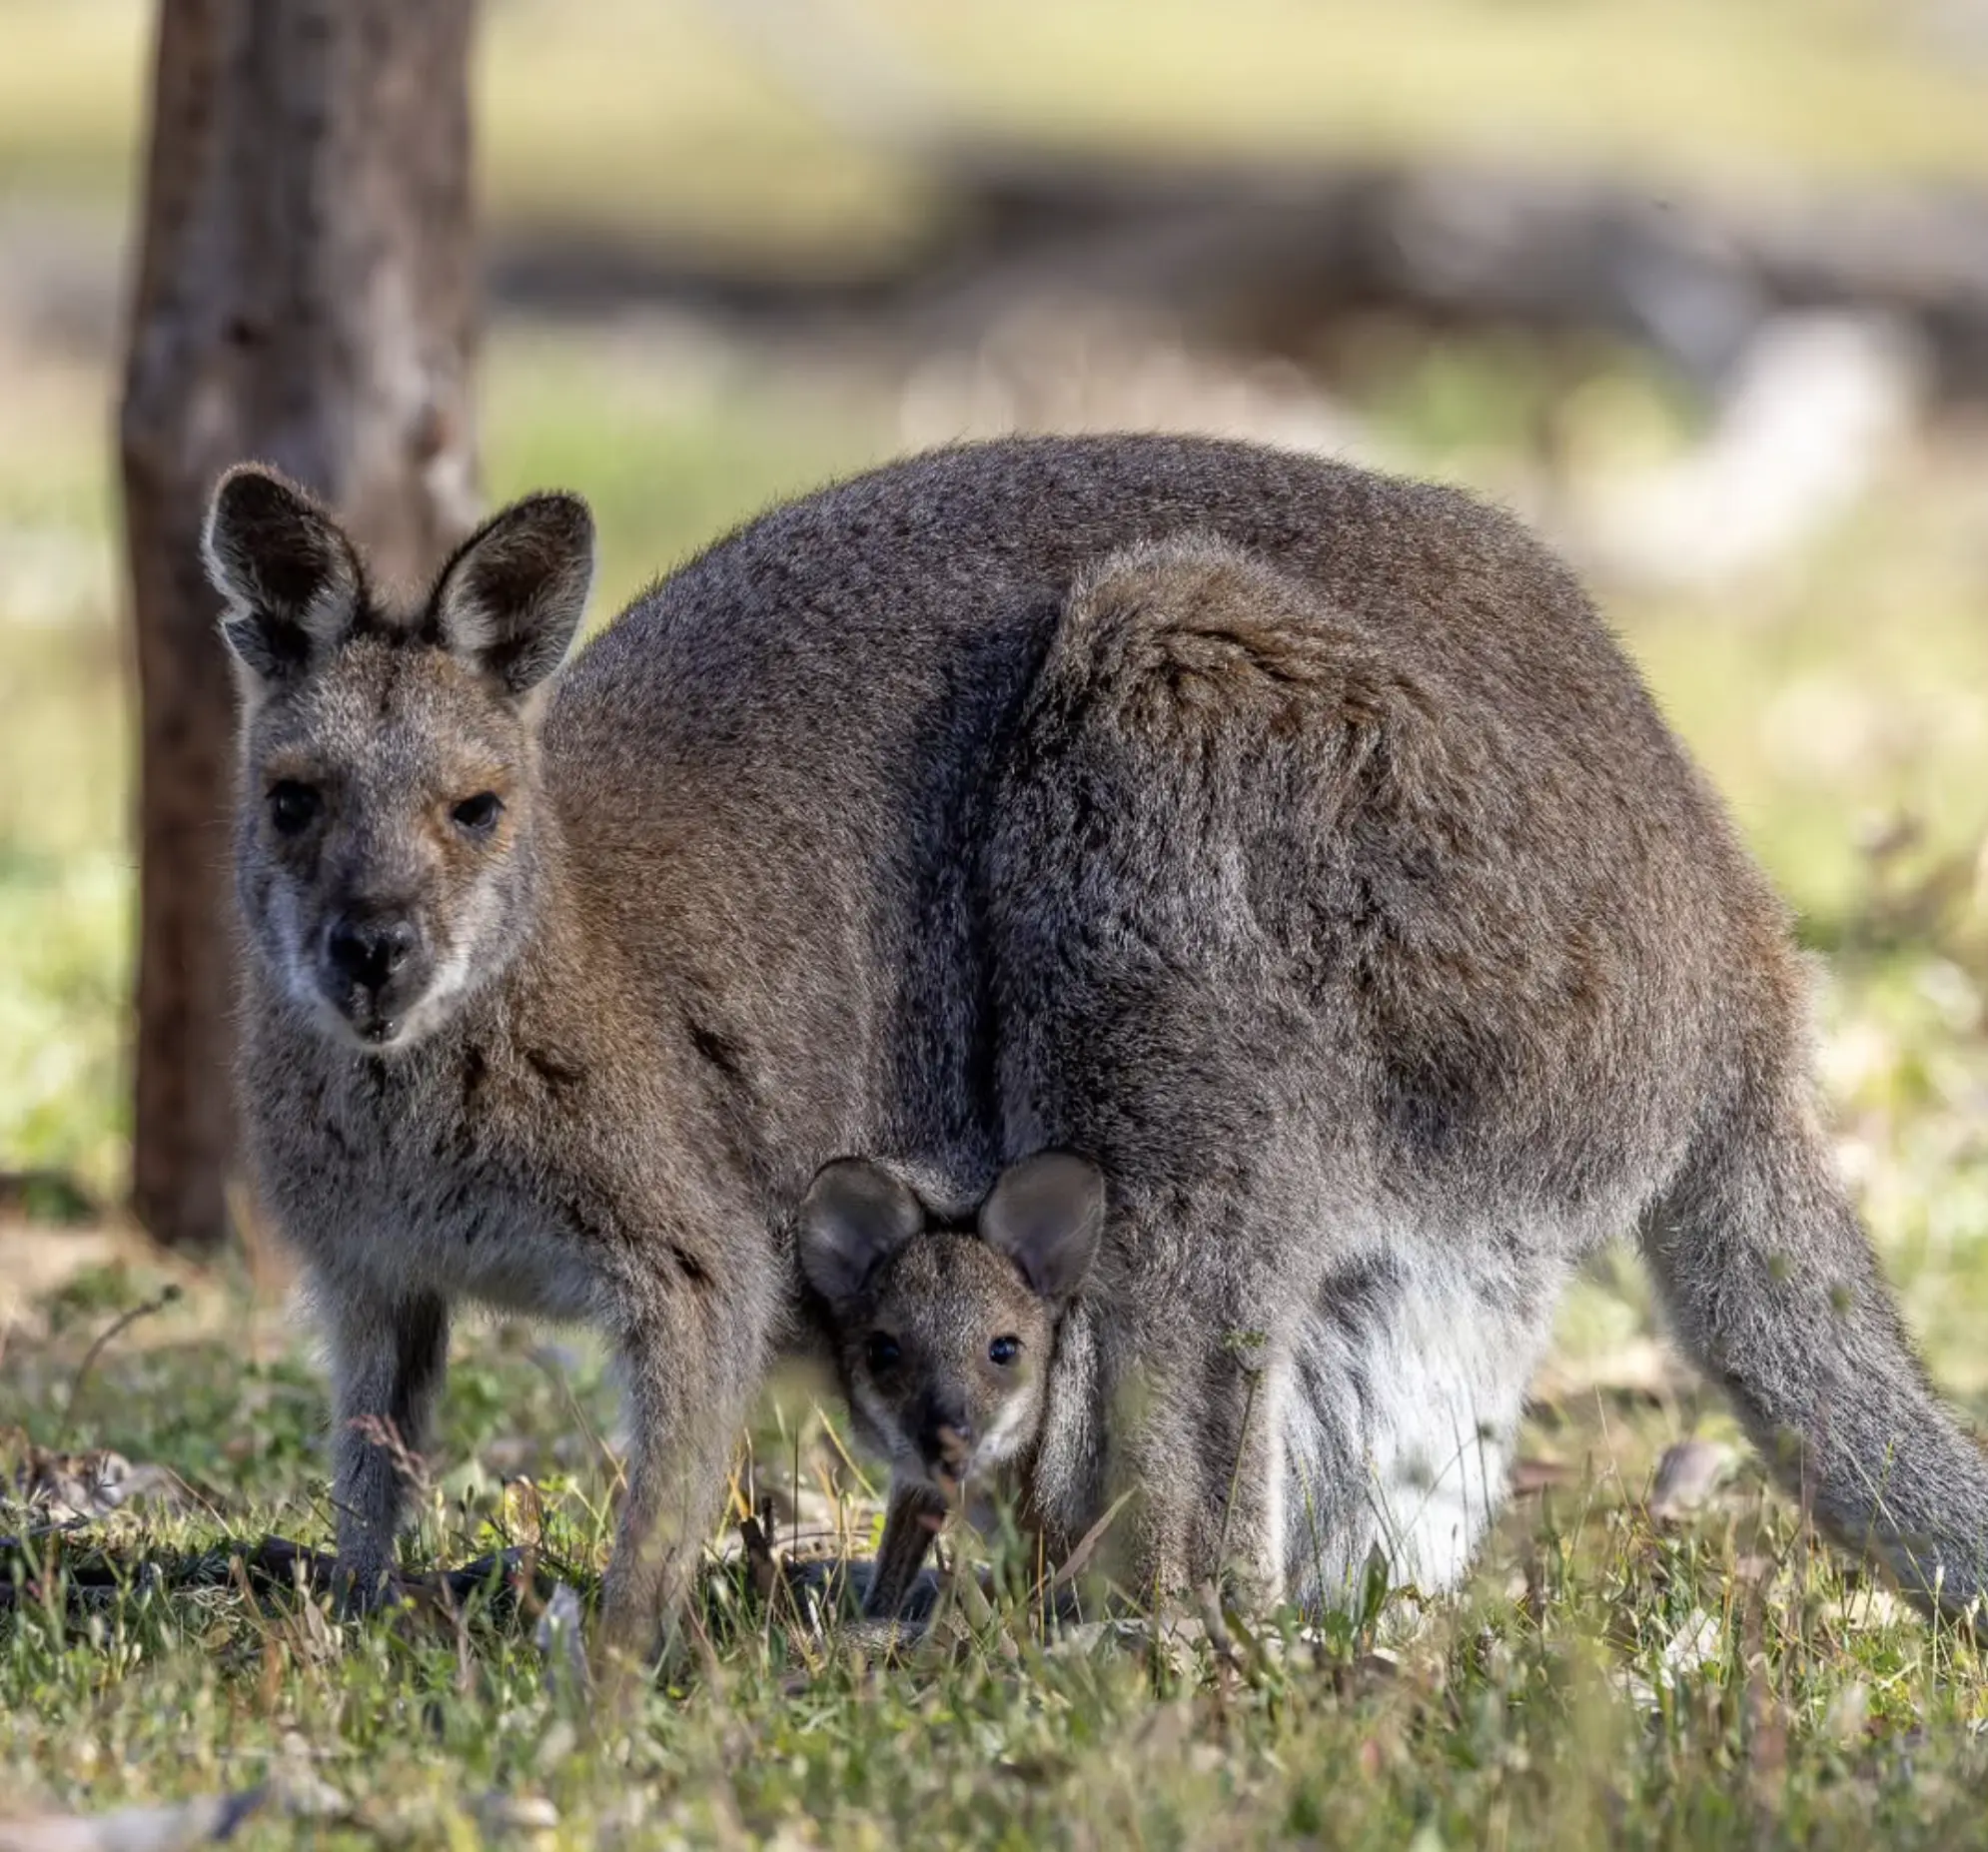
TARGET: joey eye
(292,807)
(476,816)
(1004,1351)
(882,1353)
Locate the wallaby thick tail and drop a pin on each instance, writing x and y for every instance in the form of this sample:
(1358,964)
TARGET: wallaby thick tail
(1770,1281)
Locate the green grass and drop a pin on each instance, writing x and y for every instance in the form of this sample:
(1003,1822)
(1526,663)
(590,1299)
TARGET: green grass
(1715,1681)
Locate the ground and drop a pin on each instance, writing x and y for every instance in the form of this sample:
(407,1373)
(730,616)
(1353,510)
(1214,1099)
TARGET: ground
(1654,1651)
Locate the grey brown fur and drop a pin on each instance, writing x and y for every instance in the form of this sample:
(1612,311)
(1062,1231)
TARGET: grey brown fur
(1290,840)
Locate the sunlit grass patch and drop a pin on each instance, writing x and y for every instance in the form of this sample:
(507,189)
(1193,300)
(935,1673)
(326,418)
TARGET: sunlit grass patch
(1607,1676)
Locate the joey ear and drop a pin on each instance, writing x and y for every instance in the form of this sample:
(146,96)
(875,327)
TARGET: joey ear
(856,1216)
(512,595)
(1046,1213)
(291,578)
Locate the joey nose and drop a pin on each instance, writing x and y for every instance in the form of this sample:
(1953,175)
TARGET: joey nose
(369,949)
(947,1440)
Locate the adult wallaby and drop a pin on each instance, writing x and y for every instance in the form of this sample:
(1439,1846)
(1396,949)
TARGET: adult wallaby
(1290,840)
(944,1328)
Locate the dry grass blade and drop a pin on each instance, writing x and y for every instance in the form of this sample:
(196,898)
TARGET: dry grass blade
(116,1328)
(1079,1558)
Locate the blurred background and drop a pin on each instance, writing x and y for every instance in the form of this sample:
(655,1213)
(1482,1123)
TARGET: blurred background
(1699,287)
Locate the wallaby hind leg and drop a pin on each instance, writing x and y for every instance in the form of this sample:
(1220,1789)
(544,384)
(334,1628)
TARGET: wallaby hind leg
(1188,1431)
(1770,1281)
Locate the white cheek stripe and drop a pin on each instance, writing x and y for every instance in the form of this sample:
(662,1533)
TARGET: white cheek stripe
(1019,1423)
(296,967)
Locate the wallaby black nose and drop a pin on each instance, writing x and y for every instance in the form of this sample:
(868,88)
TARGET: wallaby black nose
(368,950)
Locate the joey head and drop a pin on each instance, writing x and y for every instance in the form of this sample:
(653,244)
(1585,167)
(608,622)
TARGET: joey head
(944,1332)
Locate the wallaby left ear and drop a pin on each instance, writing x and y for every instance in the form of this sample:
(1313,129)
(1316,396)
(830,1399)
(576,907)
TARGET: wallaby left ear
(512,594)
(290,576)
(1046,1213)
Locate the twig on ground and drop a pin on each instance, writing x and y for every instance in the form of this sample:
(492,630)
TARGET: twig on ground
(118,1325)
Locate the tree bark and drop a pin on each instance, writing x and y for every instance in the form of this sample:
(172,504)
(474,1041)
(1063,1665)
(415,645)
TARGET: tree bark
(305,294)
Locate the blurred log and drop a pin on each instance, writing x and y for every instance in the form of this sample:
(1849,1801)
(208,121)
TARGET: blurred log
(305,294)
(1266,254)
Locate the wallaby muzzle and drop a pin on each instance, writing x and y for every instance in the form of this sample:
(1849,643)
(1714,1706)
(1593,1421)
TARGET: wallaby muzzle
(373,968)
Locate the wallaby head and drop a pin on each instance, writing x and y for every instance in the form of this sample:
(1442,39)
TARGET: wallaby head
(942,1333)
(391,825)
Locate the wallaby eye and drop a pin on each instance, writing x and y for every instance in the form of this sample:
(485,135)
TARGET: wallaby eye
(292,807)
(478,815)
(1004,1351)
(882,1353)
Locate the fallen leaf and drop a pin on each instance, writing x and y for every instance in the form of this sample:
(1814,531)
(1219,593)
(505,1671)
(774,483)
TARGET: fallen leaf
(1536,1475)
(77,1487)
(515,1813)
(1694,1646)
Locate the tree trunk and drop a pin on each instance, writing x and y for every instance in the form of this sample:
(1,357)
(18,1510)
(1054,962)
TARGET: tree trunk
(305,295)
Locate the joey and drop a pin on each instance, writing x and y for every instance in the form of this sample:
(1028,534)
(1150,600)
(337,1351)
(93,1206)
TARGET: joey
(944,1332)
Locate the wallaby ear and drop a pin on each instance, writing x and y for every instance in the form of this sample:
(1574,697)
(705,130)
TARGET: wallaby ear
(856,1216)
(1046,1213)
(512,594)
(290,576)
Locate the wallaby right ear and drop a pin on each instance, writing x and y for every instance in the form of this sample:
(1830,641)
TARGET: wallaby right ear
(512,594)
(856,1216)
(288,575)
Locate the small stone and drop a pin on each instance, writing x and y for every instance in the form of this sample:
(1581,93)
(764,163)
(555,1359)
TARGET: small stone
(1687,1477)
(1849,1712)
(515,1813)
(559,1640)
